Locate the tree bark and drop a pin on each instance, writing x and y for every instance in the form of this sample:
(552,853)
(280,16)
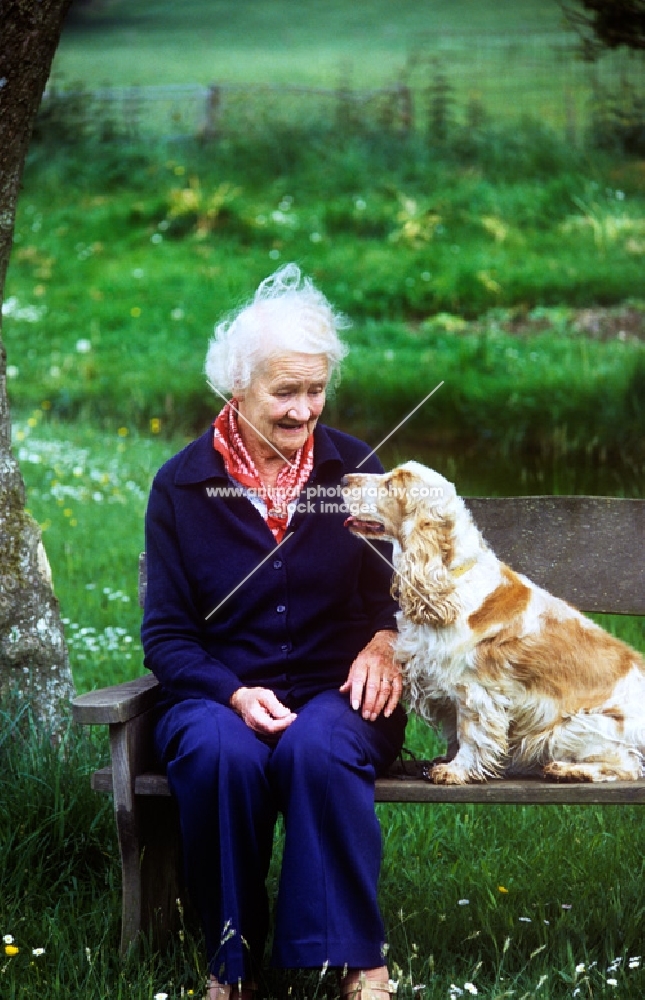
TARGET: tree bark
(33,656)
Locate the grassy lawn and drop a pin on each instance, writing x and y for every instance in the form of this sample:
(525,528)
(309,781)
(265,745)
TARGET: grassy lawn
(287,41)
(509,58)
(472,272)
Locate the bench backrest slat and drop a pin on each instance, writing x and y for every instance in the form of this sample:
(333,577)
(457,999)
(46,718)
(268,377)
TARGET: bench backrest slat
(588,550)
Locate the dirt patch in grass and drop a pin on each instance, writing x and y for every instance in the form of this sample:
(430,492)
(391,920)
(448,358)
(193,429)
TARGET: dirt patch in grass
(624,322)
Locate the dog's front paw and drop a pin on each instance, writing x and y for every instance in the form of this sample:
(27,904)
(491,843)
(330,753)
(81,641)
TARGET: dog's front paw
(449,774)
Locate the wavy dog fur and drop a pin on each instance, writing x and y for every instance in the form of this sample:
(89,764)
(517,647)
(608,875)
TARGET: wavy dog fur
(519,680)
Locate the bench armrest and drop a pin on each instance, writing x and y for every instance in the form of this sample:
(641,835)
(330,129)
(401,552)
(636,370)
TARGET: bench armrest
(118,703)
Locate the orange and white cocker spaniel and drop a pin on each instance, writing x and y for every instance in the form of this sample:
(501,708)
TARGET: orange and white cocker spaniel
(520,681)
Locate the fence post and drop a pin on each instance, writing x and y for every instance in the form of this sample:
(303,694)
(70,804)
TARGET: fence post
(406,108)
(213,104)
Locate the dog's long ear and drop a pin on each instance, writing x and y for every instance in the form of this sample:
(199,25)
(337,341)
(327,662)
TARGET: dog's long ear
(422,584)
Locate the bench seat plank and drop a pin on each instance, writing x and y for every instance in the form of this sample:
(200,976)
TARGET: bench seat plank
(504,792)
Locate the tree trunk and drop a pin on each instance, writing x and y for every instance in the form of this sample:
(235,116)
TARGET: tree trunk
(33,656)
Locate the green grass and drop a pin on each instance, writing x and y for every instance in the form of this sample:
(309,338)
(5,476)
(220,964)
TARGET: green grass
(286,41)
(149,250)
(506,58)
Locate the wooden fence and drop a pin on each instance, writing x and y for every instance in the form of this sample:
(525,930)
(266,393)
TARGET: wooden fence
(464,86)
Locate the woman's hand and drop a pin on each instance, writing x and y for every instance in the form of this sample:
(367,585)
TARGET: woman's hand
(374,679)
(261,710)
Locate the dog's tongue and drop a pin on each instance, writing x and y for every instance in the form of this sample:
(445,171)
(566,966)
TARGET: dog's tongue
(361,524)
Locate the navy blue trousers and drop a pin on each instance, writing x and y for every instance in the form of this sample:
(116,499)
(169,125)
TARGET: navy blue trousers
(230,786)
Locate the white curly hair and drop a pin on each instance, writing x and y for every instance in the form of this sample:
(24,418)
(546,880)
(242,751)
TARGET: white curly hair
(287,314)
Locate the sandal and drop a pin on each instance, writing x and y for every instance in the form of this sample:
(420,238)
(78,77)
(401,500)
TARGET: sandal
(228,991)
(366,989)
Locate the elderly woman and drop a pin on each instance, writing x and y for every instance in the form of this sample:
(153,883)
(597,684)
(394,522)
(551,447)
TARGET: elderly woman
(269,627)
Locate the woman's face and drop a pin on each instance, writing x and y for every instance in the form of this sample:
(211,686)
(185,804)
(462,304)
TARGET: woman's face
(283,402)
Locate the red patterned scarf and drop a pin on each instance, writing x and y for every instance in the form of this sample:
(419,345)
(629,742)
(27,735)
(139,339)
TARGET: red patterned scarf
(227,440)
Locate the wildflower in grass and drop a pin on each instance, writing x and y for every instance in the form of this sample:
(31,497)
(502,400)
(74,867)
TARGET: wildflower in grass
(567,906)
(30,314)
(501,888)
(471,988)
(11,950)
(634,963)
(455,991)
(123,432)
(580,968)
(612,982)
(463,902)
(161,996)
(177,313)
(155,425)
(83,346)
(525,920)
(37,952)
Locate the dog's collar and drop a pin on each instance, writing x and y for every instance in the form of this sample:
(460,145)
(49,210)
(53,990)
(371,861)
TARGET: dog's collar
(460,570)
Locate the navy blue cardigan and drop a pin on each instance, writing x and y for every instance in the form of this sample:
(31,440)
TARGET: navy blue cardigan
(297,623)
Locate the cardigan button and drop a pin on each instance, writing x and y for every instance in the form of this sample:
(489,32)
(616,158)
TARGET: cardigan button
(280,608)
(277,564)
(285,648)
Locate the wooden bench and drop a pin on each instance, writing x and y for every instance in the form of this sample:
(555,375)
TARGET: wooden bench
(588,550)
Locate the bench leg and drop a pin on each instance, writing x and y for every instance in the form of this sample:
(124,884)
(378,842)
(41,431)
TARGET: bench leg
(123,749)
(149,841)
(161,867)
